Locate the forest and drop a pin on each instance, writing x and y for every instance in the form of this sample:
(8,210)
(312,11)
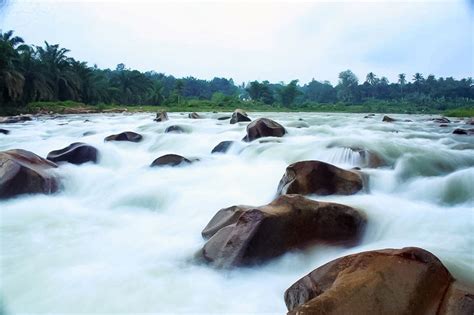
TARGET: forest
(48,73)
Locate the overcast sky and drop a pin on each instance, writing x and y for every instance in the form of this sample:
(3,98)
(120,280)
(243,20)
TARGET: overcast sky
(277,41)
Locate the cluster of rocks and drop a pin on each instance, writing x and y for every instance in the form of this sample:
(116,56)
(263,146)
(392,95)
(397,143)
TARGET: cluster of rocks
(387,281)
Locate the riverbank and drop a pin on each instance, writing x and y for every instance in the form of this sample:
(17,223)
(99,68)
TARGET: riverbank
(69,107)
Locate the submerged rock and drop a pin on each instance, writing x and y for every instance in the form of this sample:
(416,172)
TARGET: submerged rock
(222,147)
(15,119)
(174,129)
(316,177)
(442,120)
(76,153)
(369,158)
(388,119)
(239,115)
(224,118)
(125,136)
(170,160)
(194,115)
(4,131)
(390,281)
(264,127)
(244,235)
(23,172)
(161,116)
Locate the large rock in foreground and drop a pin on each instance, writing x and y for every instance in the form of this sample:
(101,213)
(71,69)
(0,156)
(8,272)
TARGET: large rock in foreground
(264,127)
(316,177)
(170,160)
(390,282)
(76,153)
(125,136)
(239,115)
(23,172)
(244,235)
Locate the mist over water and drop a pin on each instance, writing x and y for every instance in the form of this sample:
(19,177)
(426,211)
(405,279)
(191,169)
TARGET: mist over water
(120,236)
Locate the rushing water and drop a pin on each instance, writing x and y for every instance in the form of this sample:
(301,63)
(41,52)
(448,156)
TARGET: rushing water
(120,236)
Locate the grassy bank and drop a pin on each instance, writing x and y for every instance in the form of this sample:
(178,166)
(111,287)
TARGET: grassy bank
(209,106)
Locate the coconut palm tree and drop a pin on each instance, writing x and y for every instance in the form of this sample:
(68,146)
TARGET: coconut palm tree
(11,80)
(402,81)
(58,66)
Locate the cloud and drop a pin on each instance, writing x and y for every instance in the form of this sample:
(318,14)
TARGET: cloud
(257,40)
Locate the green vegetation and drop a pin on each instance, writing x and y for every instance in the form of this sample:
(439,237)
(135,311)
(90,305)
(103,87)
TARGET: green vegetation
(43,79)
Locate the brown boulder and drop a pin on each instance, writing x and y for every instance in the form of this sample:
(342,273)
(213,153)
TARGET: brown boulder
(263,127)
(239,115)
(391,281)
(76,153)
(23,172)
(170,160)
(161,116)
(125,136)
(245,235)
(316,177)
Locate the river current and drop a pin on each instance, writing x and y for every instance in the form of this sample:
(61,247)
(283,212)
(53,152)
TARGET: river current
(119,237)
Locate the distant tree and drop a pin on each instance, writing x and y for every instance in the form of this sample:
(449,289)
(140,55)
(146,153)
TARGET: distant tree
(348,84)
(289,93)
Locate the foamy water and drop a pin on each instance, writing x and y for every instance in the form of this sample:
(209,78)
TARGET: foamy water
(120,237)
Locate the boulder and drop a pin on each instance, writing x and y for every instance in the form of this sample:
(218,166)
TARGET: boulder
(15,119)
(174,129)
(470,121)
(170,160)
(388,119)
(239,115)
(76,153)
(390,281)
(224,118)
(194,115)
(4,131)
(23,172)
(246,235)
(125,136)
(161,116)
(443,125)
(264,127)
(316,177)
(460,131)
(222,147)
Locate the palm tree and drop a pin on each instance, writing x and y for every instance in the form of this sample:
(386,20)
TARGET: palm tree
(11,80)
(58,66)
(371,78)
(402,81)
(38,86)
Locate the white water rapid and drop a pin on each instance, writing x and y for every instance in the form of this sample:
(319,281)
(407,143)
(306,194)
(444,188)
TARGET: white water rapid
(120,236)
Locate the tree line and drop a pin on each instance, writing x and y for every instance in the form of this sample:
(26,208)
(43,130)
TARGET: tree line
(31,73)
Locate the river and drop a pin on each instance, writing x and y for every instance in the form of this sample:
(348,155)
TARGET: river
(120,236)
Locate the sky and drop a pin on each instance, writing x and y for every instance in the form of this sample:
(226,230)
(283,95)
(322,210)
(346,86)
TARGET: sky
(256,40)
